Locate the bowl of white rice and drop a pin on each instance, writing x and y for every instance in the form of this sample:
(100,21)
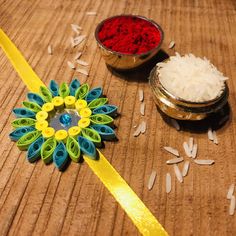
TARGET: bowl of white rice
(188,87)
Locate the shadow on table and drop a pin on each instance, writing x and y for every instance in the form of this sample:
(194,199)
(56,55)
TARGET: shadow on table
(216,121)
(142,72)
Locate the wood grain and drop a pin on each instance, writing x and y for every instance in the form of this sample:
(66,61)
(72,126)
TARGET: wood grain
(36,199)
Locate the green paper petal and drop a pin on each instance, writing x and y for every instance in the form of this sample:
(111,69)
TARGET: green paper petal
(73,149)
(64,90)
(101,119)
(45,94)
(32,106)
(23,122)
(24,142)
(82,91)
(47,150)
(97,103)
(91,135)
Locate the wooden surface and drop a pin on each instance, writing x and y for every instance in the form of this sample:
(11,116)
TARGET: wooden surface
(36,199)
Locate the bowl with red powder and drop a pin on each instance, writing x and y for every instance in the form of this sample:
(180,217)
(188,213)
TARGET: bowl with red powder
(128,41)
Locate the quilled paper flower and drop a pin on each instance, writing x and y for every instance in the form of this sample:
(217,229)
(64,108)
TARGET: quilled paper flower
(63,122)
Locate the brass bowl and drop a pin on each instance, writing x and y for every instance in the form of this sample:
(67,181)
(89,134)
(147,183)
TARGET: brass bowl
(122,61)
(180,109)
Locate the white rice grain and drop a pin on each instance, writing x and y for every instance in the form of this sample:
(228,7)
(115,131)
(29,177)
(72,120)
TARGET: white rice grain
(172,151)
(186,149)
(215,139)
(190,144)
(71,65)
(175,160)
(78,40)
(175,124)
(151,179)
(82,63)
(141,95)
(91,13)
(194,151)
(168,183)
(230,191)
(178,173)
(76,28)
(49,49)
(171,44)
(143,127)
(232,206)
(210,134)
(204,162)
(185,168)
(142,108)
(82,71)
(137,131)
(78,55)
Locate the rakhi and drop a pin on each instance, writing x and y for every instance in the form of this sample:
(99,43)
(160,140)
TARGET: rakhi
(81,118)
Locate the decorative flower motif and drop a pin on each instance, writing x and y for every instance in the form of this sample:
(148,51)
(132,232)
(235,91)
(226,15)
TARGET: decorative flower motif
(62,122)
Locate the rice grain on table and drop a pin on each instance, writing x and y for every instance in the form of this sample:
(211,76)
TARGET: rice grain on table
(172,151)
(141,95)
(78,55)
(49,49)
(142,108)
(71,65)
(168,183)
(82,63)
(232,206)
(210,134)
(137,132)
(186,149)
(171,44)
(79,40)
(91,13)
(190,144)
(204,162)
(151,179)
(215,139)
(143,127)
(194,151)
(82,71)
(76,28)
(185,168)
(230,191)
(175,124)
(178,173)
(175,160)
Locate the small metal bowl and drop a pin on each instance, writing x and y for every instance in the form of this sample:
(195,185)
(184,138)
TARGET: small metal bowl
(180,109)
(123,61)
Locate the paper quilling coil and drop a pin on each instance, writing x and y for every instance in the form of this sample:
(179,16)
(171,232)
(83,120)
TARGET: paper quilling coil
(69,102)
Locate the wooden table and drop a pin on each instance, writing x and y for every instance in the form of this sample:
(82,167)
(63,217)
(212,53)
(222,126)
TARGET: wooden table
(36,199)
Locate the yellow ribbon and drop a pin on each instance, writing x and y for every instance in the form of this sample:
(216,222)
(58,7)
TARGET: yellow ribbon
(146,223)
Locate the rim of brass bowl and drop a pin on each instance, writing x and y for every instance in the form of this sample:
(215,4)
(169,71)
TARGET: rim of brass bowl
(144,55)
(179,108)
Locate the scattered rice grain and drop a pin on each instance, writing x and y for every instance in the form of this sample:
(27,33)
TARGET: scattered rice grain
(49,49)
(82,71)
(71,65)
(137,131)
(151,179)
(215,139)
(78,40)
(76,28)
(175,124)
(210,134)
(178,173)
(190,144)
(142,108)
(82,63)
(143,127)
(186,149)
(78,55)
(91,13)
(140,94)
(172,151)
(232,206)
(168,183)
(230,191)
(185,168)
(175,160)
(204,162)
(171,44)
(194,151)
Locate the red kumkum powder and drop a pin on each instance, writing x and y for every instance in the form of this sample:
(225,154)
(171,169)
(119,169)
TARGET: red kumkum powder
(130,35)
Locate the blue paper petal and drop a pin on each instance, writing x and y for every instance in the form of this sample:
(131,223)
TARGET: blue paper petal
(19,132)
(33,153)
(60,156)
(110,110)
(54,88)
(106,132)
(87,147)
(93,94)
(23,113)
(34,97)
(74,85)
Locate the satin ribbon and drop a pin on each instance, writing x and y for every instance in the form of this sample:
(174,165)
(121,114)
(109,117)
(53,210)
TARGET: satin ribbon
(142,218)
